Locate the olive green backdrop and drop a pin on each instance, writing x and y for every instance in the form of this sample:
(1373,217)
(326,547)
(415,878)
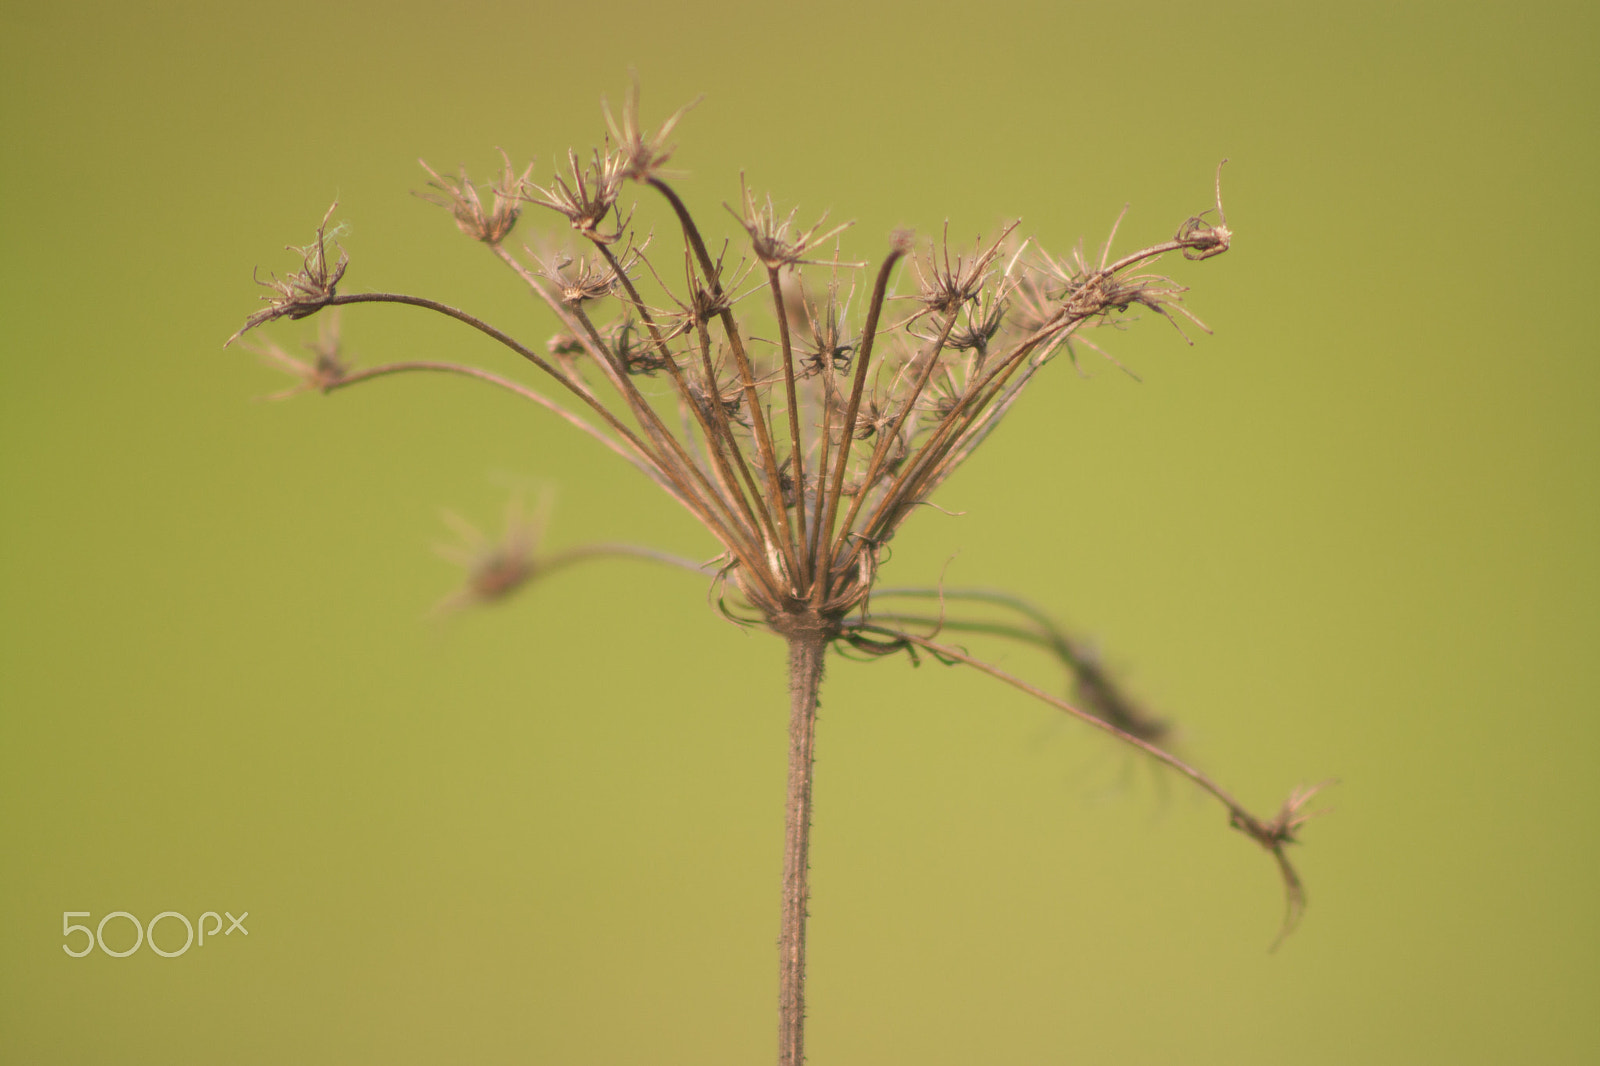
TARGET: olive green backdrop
(1350,535)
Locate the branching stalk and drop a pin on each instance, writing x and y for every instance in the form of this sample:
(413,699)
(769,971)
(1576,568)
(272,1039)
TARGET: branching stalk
(789,565)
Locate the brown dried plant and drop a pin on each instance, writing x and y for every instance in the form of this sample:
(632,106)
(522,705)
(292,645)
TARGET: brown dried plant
(803,455)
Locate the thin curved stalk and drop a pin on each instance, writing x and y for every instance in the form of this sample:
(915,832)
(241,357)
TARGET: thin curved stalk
(886,441)
(389,369)
(586,552)
(796,453)
(756,573)
(869,333)
(1273,835)
(777,513)
(510,342)
(643,413)
(1091,683)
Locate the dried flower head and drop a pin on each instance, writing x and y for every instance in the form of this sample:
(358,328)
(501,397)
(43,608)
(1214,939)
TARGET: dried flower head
(588,197)
(495,566)
(581,279)
(980,320)
(307,290)
(1086,293)
(489,224)
(803,445)
(827,344)
(945,286)
(1275,835)
(1202,239)
(324,371)
(641,157)
(777,241)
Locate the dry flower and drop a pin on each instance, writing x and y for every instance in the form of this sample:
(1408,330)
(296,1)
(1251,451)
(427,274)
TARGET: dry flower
(324,372)
(588,197)
(307,290)
(490,225)
(776,241)
(801,455)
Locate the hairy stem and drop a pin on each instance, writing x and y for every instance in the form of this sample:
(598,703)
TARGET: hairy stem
(806,649)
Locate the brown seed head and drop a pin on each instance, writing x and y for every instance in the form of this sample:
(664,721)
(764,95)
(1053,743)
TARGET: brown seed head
(308,289)
(1202,239)
(641,158)
(489,225)
(588,198)
(944,286)
(495,567)
(578,281)
(326,369)
(776,241)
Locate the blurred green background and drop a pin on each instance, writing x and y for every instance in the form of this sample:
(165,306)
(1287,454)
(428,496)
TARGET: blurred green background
(1351,535)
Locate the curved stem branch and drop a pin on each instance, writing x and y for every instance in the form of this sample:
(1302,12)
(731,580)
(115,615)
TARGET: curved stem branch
(510,342)
(1094,684)
(796,453)
(777,514)
(388,369)
(585,552)
(1272,834)
(694,505)
(823,562)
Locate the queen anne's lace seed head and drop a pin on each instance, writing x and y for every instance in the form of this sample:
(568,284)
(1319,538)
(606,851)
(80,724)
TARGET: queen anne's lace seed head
(793,417)
(492,223)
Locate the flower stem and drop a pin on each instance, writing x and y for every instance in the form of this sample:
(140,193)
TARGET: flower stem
(806,649)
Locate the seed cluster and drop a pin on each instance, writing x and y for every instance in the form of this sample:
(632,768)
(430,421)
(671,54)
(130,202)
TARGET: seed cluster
(804,451)
(801,406)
